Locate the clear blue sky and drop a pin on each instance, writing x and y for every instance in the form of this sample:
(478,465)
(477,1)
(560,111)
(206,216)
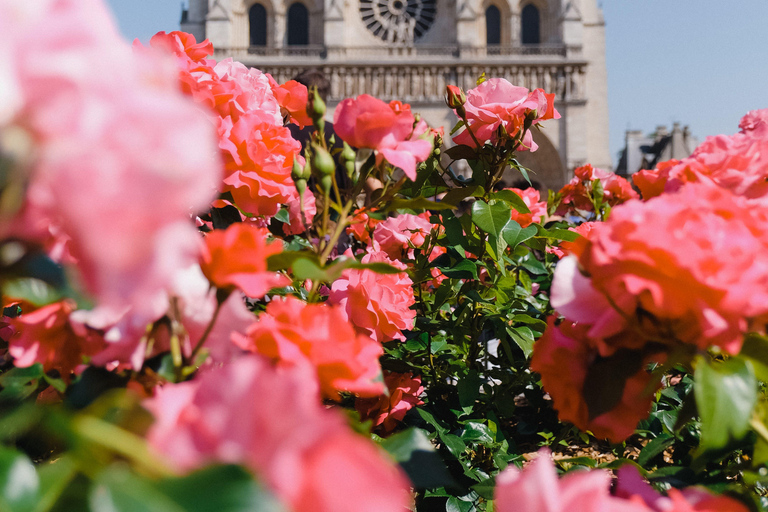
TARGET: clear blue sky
(703,63)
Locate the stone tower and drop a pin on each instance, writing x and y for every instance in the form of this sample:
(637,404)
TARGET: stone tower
(410,49)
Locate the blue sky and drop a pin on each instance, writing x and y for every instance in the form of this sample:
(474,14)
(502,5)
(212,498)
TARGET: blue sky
(703,63)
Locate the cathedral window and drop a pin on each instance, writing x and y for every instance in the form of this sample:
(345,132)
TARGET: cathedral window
(257,24)
(531,25)
(492,26)
(298,24)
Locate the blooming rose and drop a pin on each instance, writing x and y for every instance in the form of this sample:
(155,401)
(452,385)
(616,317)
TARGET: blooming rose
(563,356)
(291,331)
(237,258)
(532,200)
(389,410)
(361,226)
(693,261)
(377,304)
(292,98)
(271,420)
(538,489)
(297,226)
(367,122)
(401,233)
(258,165)
(495,103)
(46,336)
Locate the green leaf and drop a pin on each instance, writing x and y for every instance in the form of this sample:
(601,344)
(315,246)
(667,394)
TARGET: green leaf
(213,489)
(511,198)
(461,152)
(477,433)
(469,388)
(456,505)
(19,483)
(525,343)
(491,217)
(457,195)
(35,291)
(465,269)
(514,234)
(418,203)
(283,216)
(55,477)
(285,260)
(726,393)
(219,489)
(19,383)
(454,444)
(654,448)
(418,458)
(755,350)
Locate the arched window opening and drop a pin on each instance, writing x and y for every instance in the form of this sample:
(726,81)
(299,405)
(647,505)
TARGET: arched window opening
(492,26)
(257,23)
(531,25)
(298,25)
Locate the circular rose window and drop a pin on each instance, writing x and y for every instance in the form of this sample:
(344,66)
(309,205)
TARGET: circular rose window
(398,21)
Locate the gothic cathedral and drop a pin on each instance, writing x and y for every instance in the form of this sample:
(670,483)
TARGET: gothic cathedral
(410,49)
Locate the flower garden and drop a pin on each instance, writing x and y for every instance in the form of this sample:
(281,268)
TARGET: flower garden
(202,312)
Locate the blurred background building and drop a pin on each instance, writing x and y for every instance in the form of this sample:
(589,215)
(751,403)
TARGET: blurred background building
(646,151)
(410,49)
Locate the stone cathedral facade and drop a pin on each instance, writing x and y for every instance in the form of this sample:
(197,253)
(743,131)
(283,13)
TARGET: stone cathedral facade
(410,50)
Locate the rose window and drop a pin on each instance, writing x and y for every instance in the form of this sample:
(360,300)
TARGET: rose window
(398,21)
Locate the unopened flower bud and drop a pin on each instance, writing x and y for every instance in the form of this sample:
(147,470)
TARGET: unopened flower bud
(455,98)
(316,105)
(322,161)
(297,172)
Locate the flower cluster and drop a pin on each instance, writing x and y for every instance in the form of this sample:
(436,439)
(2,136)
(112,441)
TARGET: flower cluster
(258,151)
(292,332)
(580,192)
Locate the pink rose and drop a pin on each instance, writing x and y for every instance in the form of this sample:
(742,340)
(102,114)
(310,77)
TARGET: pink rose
(367,122)
(495,103)
(389,410)
(46,336)
(292,332)
(377,304)
(271,420)
(537,488)
(532,200)
(563,356)
(404,232)
(692,260)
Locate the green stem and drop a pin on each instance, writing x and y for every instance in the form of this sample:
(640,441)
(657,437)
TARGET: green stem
(208,328)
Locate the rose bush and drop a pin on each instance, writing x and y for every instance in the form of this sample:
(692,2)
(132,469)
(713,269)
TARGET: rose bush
(325,334)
